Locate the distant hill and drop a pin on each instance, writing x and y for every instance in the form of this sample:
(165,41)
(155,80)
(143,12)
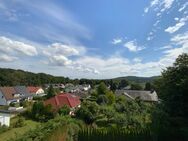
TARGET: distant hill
(137,79)
(12,77)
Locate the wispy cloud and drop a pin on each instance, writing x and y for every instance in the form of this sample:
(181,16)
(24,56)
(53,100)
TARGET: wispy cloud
(117,41)
(159,5)
(133,46)
(178,25)
(183,7)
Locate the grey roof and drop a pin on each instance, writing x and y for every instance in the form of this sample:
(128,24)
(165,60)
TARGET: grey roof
(143,95)
(22,90)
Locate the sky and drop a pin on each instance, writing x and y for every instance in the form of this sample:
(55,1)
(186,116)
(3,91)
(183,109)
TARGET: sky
(95,39)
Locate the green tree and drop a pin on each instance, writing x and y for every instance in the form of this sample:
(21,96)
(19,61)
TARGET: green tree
(123,83)
(111,97)
(136,86)
(51,92)
(148,86)
(87,112)
(102,89)
(41,113)
(65,110)
(173,87)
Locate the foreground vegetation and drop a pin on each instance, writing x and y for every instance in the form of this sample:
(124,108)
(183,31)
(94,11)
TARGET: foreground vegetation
(17,128)
(104,116)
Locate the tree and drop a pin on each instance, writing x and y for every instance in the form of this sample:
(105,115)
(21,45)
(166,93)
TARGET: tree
(87,112)
(123,83)
(173,88)
(65,110)
(41,113)
(51,92)
(111,97)
(101,90)
(147,86)
(136,86)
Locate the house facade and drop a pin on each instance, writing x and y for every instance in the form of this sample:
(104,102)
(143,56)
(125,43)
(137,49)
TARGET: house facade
(5,118)
(14,94)
(35,90)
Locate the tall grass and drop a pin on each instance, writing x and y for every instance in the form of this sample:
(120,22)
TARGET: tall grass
(120,134)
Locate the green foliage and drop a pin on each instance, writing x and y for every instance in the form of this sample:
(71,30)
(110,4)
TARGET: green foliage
(136,86)
(111,97)
(123,83)
(148,86)
(104,95)
(65,110)
(172,88)
(41,113)
(102,89)
(51,92)
(117,134)
(87,112)
(3,129)
(10,77)
(46,130)
(19,123)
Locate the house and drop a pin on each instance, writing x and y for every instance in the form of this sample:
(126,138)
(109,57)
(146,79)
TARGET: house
(147,96)
(14,94)
(36,91)
(8,95)
(24,93)
(5,118)
(62,99)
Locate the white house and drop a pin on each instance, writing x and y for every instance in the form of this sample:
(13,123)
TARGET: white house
(5,118)
(35,90)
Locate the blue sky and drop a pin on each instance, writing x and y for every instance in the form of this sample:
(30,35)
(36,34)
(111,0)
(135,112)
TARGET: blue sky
(93,39)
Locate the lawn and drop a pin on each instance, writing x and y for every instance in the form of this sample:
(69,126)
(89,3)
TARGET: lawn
(13,132)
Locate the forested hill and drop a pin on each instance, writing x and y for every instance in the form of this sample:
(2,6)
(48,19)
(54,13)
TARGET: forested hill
(137,79)
(11,77)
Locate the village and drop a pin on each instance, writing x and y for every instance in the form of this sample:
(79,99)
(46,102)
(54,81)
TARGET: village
(12,98)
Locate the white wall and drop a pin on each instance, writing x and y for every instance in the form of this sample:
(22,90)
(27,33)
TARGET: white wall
(2,99)
(5,119)
(40,91)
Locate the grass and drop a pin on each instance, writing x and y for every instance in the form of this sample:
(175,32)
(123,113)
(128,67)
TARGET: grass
(13,132)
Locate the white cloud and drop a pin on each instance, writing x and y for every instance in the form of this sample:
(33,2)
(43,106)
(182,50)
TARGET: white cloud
(59,60)
(183,7)
(132,46)
(11,46)
(165,47)
(178,25)
(161,5)
(176,19)
(60,55)
(6,58)
(117,41)
(137,60)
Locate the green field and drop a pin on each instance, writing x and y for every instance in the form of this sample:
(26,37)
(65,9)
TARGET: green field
(13,132)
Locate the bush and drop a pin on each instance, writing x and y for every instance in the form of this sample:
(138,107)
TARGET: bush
(19,123)
(3,129)
(65,110)
(41,113)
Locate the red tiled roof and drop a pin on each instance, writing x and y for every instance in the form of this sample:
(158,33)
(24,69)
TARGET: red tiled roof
(8,92)
(62,99)
(33,89)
